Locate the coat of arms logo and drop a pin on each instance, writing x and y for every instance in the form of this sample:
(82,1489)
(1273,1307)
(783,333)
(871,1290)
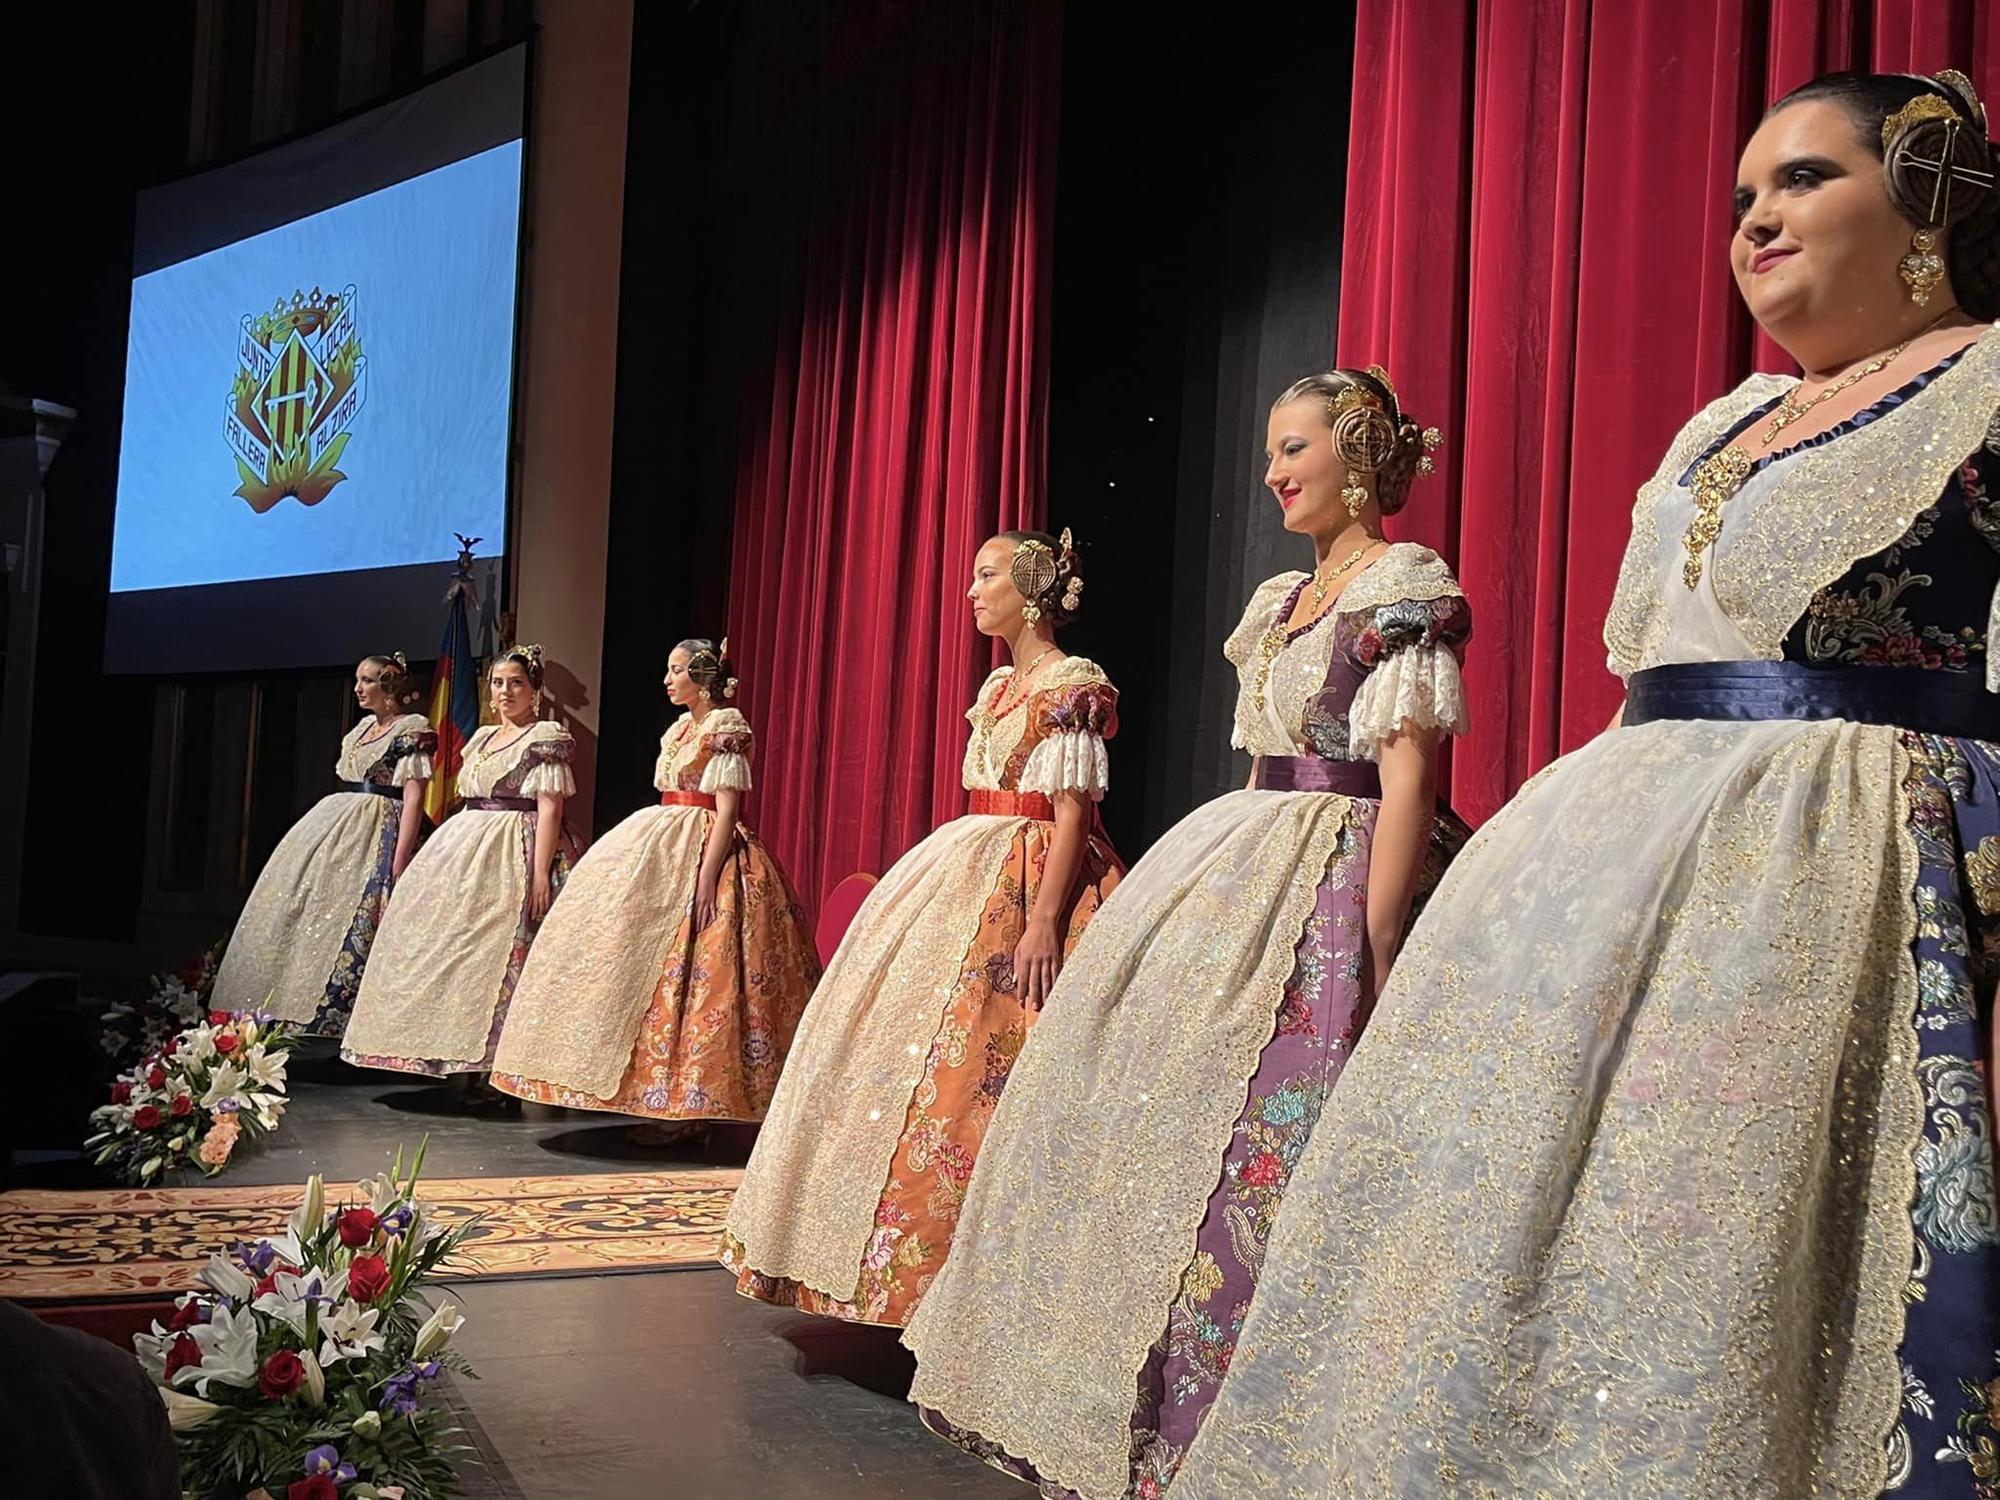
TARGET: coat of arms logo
(300,381)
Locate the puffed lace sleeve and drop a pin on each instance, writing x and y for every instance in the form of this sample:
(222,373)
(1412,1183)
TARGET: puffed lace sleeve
(729,744)
(1414,649)
(413,752)
(1073,720)
(547,761)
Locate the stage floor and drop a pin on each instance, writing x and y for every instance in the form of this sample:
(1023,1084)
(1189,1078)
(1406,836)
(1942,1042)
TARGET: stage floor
(638,1383)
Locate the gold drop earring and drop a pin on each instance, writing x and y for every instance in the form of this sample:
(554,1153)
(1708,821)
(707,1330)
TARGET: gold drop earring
(1923,268)
(1354,495)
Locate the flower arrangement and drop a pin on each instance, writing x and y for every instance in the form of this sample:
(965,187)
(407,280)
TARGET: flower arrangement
(175,1002)
(299,1370)
(192,1102)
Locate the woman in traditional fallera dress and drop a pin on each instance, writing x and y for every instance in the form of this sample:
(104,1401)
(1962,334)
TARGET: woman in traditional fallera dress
(1113,1233)
(1667,1167)
(303,939)
(668,980)
(852,1192)
(452,945)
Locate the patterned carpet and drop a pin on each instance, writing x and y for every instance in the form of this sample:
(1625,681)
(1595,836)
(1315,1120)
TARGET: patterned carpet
(146,1242)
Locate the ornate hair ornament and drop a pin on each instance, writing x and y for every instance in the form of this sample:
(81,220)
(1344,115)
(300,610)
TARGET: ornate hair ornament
(717,661)
(1922,136)
(402,662)
(1036,570)
(529,656)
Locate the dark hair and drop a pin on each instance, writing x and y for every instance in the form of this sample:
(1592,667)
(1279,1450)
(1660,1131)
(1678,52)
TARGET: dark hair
(1051,600)
(396,679)
(1972,214)
(529,659)
(709,666)
(1392,479)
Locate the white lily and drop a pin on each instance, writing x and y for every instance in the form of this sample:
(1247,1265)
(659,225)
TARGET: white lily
(228,1344)
(350,1334)
(198,1045)
(267,1069)
(226,1277)
(294,1292)
(185,1411)
(437,1331)
(381,1191)
(151,1348)
(305,1220)
(226,1082)
(368,1424)
(315,1379)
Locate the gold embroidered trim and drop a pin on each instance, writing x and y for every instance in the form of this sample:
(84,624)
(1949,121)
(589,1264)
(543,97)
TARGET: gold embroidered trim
(1636,625)
(1119,1115)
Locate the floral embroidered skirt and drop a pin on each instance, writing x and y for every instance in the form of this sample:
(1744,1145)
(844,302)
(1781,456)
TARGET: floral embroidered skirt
(1319,1018)
(437,900)
(722,1012)
(1667,1163)
(979,1036)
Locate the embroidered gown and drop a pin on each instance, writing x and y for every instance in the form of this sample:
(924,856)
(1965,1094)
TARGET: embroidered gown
(1667,1168)
(453,942)
(304,935)
(623,1005)
(848,1206)
(1113,1233)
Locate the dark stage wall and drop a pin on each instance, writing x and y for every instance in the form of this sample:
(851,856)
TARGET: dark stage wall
(1198,206)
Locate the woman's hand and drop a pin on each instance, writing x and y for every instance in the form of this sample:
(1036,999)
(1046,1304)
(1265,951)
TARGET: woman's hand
(704,901)
(541,895)
(397,864)
(1037,962)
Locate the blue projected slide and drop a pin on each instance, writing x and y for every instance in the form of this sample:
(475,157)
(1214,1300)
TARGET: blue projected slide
(329,395)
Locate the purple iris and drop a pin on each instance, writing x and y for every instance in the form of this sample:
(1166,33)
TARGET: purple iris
(228,1106)
(399,1393)
(397,1220)
(257,1258)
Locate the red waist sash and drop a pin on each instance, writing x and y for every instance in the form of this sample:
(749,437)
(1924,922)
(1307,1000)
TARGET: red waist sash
(982,803)
(687,799)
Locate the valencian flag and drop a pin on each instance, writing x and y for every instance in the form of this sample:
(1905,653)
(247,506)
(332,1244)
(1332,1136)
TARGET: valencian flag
(454,709)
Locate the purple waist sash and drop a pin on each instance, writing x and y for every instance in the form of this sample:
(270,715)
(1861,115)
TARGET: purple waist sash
(499,804)
(1308,773)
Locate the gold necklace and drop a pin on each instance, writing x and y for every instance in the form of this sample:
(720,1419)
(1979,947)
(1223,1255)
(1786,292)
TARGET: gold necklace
(1790,409)
(1273,645)
(1022,676)
(1718,477)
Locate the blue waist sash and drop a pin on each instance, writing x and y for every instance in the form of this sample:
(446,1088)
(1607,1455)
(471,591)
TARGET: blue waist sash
(376,791)
(1308,773)
(1948,703)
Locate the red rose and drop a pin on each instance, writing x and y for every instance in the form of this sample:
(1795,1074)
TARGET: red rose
(185,1352)
(185,1316)
(1263,1170)
(156,1077)
(173,1046)
(148,1117)
(183,1105)
(283,1373)
(219,1018)
(368,1278)
(357,1227)
(228,1042)
(121,1093)
(319,1487)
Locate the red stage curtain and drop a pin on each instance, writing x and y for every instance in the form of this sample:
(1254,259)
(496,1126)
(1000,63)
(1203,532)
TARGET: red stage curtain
(902,426)
(1536,247)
